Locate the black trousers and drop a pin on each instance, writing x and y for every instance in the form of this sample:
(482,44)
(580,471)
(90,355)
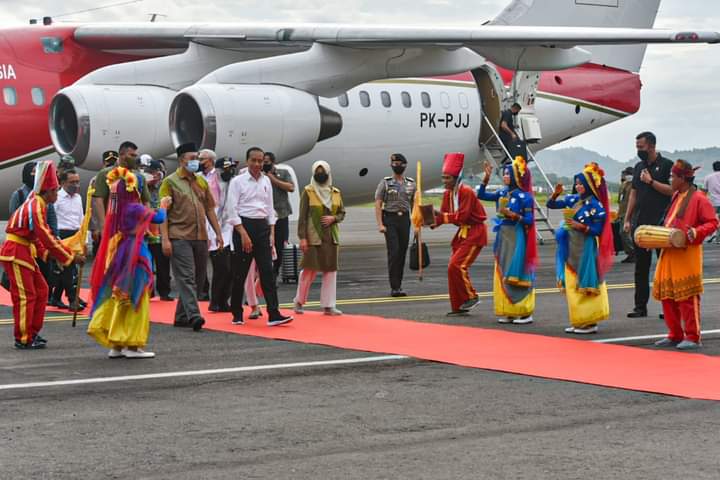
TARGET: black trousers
(259,232)
(282,235)
(397,238)
(222,281)
(162,270)
(66,278)
(643,261)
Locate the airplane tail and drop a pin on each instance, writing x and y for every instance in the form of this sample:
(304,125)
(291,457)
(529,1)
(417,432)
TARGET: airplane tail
(589,13)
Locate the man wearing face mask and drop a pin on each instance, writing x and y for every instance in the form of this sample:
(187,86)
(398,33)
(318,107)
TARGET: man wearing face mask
(649,198)
(128,158)
(394,198)
(69,209)
(623,198)
(282,184)
(161,263)
(184,233)
(508,134)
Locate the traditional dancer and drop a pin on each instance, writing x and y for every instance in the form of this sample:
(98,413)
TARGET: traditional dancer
(584,249)
(678,275)
(515,243)
(121,278)
(29,238)
(461,207)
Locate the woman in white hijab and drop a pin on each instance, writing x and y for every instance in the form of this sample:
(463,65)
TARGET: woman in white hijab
(321,210)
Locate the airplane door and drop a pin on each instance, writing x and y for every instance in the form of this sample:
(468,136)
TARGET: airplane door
(491,89)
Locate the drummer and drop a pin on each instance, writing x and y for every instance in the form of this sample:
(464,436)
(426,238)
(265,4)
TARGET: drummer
(678,276)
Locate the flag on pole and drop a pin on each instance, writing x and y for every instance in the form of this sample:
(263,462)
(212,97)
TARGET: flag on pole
(76,243)
(417,217)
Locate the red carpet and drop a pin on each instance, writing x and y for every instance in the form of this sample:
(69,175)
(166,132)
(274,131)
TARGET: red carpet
(665,372)
(657,371)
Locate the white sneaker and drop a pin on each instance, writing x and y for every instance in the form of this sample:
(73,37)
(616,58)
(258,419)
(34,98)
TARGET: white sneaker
(505,320)
(256,313)
(523,321)
(116,354)
(298,308)
(332,311)
(570,330)
(586,330)
(139,353)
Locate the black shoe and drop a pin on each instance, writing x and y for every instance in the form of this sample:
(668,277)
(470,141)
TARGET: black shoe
(281,320)
(661,316)
(398,293)
(204,298)
(59,304)
(167,298)
(76,308)
(182,325)
(225,308)
(458,313)
(39,339)
(638,313)
(34,345)
(629,259)
(198,324)
(238,321)
(214,308)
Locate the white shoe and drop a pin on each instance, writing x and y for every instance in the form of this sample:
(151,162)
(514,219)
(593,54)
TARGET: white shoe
(116,354)
(523,321)
(332,311)
(256,313)
(139,353)
(570,330)
(298,308)
(505,320)
(586,330)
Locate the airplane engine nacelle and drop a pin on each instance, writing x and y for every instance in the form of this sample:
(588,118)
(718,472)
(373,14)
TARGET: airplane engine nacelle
(86,120)
(229,119)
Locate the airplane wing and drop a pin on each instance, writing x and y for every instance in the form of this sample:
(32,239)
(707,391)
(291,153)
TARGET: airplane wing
(124,36)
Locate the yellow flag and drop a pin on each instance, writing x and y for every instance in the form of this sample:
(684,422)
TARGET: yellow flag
(76,243)
(417,218)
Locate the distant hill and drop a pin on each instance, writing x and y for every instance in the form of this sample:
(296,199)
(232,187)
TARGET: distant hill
(566,162)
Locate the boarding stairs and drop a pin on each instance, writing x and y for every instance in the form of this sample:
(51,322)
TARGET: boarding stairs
(497,155)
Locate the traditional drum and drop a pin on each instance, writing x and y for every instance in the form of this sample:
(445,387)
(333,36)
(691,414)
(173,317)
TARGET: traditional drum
(651,236)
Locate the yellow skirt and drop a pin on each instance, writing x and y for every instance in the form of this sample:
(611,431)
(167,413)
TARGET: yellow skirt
(504,306)
(116,324)
(585,310)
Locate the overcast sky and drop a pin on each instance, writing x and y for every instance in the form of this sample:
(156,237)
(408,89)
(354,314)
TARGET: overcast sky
(681,94)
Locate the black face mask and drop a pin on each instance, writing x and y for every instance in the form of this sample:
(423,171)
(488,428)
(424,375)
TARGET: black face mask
(399,169)
(226,175)
(267,167)
(321,178)
(643,155)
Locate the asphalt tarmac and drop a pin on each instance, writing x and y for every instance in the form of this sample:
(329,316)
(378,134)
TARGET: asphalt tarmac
(290,417)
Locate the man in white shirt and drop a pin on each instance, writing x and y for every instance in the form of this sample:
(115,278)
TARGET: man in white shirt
(69,209)
(249,209)
(712,187)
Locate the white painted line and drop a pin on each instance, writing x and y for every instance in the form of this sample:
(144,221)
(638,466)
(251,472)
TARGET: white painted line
(646,337)
(198,373)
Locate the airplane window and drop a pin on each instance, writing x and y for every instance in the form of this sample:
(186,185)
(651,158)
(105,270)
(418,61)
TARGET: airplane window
(38,96)
(464,104)
(406,99)
(10,96)
(445,100)
(386,100)
(343,100)
(426,100)
(364,98)
(52,44)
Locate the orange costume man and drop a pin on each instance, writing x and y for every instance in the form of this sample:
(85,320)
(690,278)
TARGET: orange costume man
(29,237)
(678,275)
(461,207)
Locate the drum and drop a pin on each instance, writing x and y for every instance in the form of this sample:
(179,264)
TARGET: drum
(651,236)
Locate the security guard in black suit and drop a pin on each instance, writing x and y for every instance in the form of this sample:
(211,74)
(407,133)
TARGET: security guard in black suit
(393,201)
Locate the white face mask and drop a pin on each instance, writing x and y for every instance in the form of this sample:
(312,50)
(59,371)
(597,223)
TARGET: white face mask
(628,178)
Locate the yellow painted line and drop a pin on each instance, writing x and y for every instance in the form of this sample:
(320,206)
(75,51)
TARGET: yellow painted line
(385,300)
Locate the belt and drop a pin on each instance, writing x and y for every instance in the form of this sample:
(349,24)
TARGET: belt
(399,214)
(22,241)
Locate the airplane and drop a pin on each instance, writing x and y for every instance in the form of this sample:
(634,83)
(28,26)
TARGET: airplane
(347,94)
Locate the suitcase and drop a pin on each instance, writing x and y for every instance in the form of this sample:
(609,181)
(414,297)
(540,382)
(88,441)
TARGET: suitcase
(291,257)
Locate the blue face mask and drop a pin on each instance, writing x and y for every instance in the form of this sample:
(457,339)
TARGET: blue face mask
(193,165)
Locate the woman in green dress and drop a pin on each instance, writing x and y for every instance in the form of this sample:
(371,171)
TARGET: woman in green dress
(321,210)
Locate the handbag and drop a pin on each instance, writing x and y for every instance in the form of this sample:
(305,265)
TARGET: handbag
(414,265)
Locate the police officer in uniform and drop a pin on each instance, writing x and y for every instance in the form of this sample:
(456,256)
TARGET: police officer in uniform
(393,200)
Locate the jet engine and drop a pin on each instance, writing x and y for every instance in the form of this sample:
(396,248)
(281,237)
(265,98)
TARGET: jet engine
(86,120)
(230,118)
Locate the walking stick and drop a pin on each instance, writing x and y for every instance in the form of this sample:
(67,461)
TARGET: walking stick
(420,254)
(76,302)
